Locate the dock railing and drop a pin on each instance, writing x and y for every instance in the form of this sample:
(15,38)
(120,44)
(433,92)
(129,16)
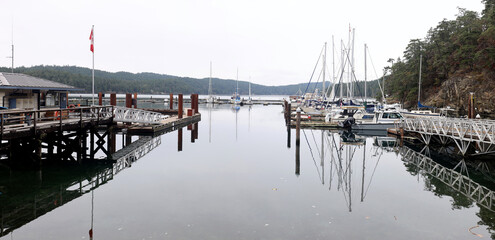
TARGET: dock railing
(34,120)
(462,131)
(134,115)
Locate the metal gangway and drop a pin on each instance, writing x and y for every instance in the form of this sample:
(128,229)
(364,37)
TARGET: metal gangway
(461,183)
(134,115)
(464,132)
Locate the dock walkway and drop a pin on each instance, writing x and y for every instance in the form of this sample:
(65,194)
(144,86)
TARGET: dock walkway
(466,133)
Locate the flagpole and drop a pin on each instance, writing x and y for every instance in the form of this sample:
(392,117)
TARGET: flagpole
(93,77)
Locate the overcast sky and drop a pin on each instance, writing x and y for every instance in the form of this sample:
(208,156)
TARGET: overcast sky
(272,42)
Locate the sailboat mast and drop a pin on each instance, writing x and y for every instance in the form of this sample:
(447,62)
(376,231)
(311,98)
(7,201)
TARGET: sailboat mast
(352,66)
(333,67)
(365,77)
(324,66)
(210,90)
(419,84)
(343,69)
(249,88)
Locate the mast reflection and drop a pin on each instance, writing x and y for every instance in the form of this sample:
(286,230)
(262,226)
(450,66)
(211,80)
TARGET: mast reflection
(338,150)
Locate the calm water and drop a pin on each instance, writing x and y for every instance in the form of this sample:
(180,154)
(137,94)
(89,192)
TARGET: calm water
(239,180)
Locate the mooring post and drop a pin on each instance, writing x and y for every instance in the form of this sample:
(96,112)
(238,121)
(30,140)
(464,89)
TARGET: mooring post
(196,103)
(193,104)
(471,111)
(298,126)
(285,111)
(171,101)
(100,98)
(113,99)
(128,100)
(180,105)
(134,101)
(298,134)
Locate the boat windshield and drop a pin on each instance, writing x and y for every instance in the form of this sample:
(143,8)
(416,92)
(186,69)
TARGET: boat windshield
(391,115)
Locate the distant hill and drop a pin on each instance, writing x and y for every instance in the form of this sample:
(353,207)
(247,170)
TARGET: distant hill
(152,83)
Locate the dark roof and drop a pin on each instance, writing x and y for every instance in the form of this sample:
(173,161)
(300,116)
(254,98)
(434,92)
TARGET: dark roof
(23,81)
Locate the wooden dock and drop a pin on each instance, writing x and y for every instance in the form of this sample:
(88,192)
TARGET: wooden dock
(76,134)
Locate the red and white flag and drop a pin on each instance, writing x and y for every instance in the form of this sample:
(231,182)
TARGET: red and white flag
(92,38)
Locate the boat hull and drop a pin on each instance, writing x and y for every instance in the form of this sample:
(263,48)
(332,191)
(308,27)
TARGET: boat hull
(373,126)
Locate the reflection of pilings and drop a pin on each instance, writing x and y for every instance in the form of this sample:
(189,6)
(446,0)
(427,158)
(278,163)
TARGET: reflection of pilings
(455,180)
(288,136)
(179,140)
(298,160)
(28,204)
(298,141)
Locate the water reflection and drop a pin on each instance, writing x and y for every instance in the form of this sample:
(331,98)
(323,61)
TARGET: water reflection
(27,195)
(456,183)
(468,183)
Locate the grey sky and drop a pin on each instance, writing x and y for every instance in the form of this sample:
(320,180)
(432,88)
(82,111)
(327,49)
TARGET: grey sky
(275,42)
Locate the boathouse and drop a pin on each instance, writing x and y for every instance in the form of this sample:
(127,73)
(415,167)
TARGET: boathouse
(24,92)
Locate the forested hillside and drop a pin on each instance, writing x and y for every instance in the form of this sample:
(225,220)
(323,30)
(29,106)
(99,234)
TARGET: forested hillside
(458,57)
(152,83)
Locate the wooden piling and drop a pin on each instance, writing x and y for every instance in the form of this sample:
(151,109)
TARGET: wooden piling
(197,103)
(100,98)
(113,99)
(171,101)
(134,101)
(128,100)
(471,111)
(180,109)
(298,127)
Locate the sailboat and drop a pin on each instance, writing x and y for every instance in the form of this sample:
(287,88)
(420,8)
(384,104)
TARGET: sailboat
(420,113)
(236,98)
(211,98)
(249,101)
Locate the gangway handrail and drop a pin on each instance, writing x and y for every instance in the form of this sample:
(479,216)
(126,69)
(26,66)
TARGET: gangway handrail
(134,115)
